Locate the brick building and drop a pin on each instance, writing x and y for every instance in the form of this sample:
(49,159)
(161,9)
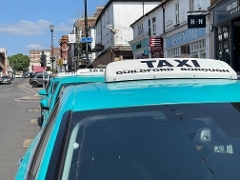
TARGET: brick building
(34,56)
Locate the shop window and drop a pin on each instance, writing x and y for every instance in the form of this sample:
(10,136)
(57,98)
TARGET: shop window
(191,5)
(194,54)
(175,52)
(108,16)
(169,53)
(154,26)
(177,13)
(223,51)
(140,29)
(185,49)
(202,53)
(225,33)
(220,37)
(149,28)
(198,49)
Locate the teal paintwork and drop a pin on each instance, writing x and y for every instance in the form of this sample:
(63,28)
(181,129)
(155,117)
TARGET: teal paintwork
(68,80)
(24,165)
(141,93)
(131,94)
(48,91)
(42,92)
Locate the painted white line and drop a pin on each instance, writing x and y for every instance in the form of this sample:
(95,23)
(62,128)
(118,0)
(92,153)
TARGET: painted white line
(17,99)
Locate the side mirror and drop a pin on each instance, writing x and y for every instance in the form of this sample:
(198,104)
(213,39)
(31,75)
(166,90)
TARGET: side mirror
(40,121)
(44,104)
(42,92)
(20,161)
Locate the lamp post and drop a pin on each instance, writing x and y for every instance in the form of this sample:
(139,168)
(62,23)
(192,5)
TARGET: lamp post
(52,58)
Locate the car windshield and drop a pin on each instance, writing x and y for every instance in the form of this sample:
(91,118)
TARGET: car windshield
(195,141)
(5,77)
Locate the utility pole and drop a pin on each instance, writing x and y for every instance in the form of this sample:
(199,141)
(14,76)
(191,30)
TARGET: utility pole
(52,58)
(86,28)
(43,62)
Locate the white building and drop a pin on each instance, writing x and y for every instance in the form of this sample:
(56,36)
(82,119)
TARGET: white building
(113,29)
(168,24)
(34,56)
(3,61)
(178,38)
(147,26)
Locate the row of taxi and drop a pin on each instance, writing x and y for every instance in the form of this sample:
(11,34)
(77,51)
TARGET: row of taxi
(146,119)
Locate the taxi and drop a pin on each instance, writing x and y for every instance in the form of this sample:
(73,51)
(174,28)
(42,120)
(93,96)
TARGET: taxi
(52,84)
(47,92)
(151,119)
(82,76)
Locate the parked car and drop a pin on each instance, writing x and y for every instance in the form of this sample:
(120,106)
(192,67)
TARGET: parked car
(49,102)
(18,76)
(26,75)
(5,79)
(38,79)
(151,119)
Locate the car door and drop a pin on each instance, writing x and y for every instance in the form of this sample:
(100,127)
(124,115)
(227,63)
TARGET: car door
(40,78)
(39,152)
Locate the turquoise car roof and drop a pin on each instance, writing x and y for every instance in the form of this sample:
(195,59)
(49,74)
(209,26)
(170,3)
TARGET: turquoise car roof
(91,78)
(75,79)
(152,92)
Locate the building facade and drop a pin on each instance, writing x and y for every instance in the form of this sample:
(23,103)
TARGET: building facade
(164,31)
(146,30)
(77,49)
(225,26)
(178,38)
(113,31)
(34,56)
(3,61)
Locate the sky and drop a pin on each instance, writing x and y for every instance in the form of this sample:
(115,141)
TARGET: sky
(25,24)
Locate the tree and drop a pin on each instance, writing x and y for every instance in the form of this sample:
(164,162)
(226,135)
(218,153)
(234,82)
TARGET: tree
(19,62)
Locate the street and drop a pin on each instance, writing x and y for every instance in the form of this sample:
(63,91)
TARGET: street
(19,109)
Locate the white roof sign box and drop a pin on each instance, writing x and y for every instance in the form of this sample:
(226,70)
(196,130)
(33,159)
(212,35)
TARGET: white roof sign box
(63,74)
(165,68)
(92,71)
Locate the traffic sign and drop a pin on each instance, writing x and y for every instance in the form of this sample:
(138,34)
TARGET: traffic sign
(86,39)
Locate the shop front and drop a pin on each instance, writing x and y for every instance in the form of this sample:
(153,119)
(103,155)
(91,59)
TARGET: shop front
(190,41)
(140,48)
(226,27)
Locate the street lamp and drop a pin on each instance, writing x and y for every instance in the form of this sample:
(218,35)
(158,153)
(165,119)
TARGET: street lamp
(52,58)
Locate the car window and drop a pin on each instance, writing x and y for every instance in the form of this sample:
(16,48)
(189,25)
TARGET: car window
(48,85)
(54,86)
(42,144)
(32,75)
(198,140)
(5,77)
(40,76)
(56,158)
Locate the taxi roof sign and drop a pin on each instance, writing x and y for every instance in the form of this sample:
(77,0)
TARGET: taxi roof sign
(91,71)
(63,74)
(168,68)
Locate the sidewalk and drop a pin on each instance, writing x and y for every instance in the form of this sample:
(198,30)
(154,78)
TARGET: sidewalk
(35,97)
(32,93)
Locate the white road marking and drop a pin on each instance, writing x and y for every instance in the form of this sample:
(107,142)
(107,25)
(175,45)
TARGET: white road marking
(17,99)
